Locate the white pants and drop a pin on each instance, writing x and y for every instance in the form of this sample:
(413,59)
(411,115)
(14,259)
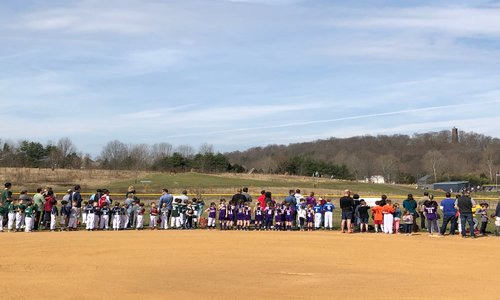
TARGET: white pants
(211,222)
(72,222)
(317,220)
(176,222)
(62,221)
(53,221)
(84,218)
(105,222)
(90,224)
(139,221)
(388,223)
(116,222)
(28,224)
(10,221)
(19,220)
(96,221)
(329,219)
(124,220)
(164,222)
(152,221)
(1,222)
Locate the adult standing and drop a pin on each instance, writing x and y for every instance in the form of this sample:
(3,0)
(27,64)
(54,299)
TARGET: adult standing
(238,198)
(247,195)
(184,197)
(420,208)
(465,204)
(299,196)
(76,196)
(449,214)
(5,195)
(262,199)
(411,205)
(39,202)
(430,212)
(347,206)
(311,200)
(167,199)
(24,198)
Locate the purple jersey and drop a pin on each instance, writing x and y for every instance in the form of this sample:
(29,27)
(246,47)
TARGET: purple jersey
(212,212)
(222,212)
(310,215)
(430,212)
(288,214)
(258,214)
(278,215)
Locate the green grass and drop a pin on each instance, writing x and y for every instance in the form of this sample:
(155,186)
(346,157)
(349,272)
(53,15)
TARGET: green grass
(205,183)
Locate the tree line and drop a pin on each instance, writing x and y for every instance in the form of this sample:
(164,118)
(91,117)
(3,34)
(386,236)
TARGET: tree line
(398,158)
(115,155)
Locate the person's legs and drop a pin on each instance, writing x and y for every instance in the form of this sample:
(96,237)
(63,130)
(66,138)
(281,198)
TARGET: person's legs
(483,228)
(463,221)
(446,220)
(470,219)
(422,221)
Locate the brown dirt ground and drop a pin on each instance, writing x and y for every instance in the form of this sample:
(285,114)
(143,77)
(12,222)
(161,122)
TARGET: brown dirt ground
(245,265)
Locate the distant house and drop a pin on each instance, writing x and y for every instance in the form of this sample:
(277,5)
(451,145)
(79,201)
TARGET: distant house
(423,182)
(375,179)
(452,186)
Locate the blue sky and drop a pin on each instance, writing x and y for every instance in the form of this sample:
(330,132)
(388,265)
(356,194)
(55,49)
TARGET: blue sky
(245,73)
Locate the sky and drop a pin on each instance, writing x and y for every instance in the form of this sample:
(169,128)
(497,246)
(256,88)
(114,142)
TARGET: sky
(245,73)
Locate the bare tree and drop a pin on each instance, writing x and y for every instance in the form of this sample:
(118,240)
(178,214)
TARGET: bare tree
(161,150)
(114,154)
(433,160)
(185,151)
(206,148)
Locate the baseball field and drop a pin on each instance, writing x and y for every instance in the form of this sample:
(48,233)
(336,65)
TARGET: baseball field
(245,265)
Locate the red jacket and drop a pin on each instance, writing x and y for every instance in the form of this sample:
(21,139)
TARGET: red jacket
(49,202)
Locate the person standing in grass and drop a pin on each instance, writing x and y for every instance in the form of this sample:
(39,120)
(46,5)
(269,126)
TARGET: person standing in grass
(430,213)
(39,202)
(378,217)
(387,211)
(347,206)
(3,199)
(465,204)
(449,214)
(167,199)
(362,213)
(411,206)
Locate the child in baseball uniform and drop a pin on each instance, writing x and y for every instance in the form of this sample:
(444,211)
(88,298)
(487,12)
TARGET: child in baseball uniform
(248,217)
(11,212)
(288,217)
(153,216)
(140,216)
(328,209)
(212,214)
(277,217)
(240,216)
(64,214)
(388,211)
(116,212)
(29,217)
(310,217)
(222,214)
(20,215)
(230,216)
(73,217)
(105,213)
(84,212)
(164,216)
(259,217)
(89,215)
(54,213)
(378,216)
(302,215)
(318,209)
(175,218)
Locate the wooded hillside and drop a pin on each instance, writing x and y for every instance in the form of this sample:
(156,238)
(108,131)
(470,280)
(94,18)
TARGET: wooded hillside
(399,158)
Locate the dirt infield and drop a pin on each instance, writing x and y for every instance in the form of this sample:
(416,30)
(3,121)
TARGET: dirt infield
(245,265)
